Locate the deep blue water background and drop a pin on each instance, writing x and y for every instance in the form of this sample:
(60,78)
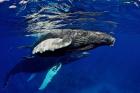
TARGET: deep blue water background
(106,70)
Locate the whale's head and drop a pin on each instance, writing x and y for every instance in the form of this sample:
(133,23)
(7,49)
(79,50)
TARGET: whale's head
(100,39)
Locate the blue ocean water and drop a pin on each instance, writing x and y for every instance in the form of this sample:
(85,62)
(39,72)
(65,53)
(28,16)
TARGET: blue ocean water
(106,70)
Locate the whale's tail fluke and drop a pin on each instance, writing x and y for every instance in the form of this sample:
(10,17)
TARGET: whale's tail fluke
(6,80)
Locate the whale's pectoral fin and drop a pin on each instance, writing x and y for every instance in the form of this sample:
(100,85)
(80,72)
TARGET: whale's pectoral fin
(50,74)
(52,44)
(31,77)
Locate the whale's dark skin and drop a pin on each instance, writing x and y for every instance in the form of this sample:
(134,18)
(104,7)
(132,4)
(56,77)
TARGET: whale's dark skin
(80,41)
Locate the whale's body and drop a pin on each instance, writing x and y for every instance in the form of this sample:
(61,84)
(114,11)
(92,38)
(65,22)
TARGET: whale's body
(66,46)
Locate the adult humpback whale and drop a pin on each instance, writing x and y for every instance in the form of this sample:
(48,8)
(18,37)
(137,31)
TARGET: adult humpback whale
(63,47)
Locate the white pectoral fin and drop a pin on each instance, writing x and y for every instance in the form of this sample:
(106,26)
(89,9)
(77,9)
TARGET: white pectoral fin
(49,76)
(51,45)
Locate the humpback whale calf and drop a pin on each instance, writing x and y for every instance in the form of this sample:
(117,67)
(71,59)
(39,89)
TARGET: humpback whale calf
(62,47)
(67,41)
